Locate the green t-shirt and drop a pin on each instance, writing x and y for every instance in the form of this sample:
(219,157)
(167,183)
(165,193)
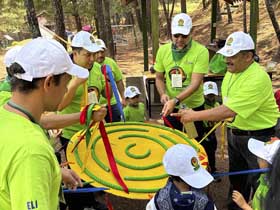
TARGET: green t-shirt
(29,174)
(75,105)
(249,94)
(117,74)
(260,193)
(136,114)
(195,61)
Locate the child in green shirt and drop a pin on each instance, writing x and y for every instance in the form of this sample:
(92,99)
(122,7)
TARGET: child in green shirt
(134,110)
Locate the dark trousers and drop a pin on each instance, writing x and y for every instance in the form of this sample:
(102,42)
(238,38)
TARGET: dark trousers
(116,116)
(210,146)
(240,158)
(175,122)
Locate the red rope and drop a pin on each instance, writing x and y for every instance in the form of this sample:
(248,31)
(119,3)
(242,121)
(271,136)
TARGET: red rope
(110,156)
(166,121)
(108,95)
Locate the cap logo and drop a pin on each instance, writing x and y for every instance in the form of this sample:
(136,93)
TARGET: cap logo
(181,22)
(210,87)
(132,89)
(195,163)
(229,41)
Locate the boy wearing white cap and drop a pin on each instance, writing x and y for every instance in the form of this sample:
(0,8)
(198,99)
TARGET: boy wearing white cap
(267,156)
(248,99)
(186,178)
(182,64)
(41,71)
(102,59)
(134,110)
(210,91)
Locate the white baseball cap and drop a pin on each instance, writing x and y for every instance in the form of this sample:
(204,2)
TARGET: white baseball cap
(181,24)
(10,56)
(42,57)
(85,40)
(236,42)
(101,43)
(182,160)
(131,91)
(210,88)
(264,150)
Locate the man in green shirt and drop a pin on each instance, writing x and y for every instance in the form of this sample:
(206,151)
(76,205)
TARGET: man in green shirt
(180,67)
(30,176)
(248,99)
(102,59)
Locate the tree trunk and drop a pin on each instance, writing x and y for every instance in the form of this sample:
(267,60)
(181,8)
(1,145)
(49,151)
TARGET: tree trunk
(244,16)
(229,13)
(76,15)
(155,28)
(275,24)
(144,33)
(59,22)
(183,6)
(108,29)
(138,14)
(148,12)
(219,16)
(32,18)
(99,19)
(168,16)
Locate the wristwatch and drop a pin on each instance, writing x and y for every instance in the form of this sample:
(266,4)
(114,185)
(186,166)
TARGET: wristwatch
(177,101)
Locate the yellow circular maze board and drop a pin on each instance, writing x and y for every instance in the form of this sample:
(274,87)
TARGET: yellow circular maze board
(138,149)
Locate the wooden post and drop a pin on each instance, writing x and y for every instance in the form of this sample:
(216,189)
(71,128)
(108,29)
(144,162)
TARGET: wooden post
(213,20)
(253,20)
(144,33)
(155,27)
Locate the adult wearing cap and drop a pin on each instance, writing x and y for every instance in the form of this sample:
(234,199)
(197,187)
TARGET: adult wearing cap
(187,177)
(41,70)
(84,49)
(247,98)
(102,59)
(182,64)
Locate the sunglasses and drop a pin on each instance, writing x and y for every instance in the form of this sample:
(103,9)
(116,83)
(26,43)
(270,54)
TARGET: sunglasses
(182,35)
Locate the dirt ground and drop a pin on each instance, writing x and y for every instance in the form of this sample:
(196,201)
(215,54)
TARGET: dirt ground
(130,59)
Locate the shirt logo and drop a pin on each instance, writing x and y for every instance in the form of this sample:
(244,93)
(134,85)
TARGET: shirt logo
(210,87)
(181,22)
(32,205)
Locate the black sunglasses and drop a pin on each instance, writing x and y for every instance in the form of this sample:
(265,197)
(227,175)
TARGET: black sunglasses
(182,35)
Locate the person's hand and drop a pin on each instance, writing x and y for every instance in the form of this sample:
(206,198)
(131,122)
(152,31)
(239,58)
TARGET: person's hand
(238,198)
(164,98)
(168,107)
(185,115)
(99,115)
(70,179)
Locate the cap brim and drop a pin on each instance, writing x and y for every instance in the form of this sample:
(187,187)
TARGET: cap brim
(228,51)
(206,92)
(78,71)
(93,48)
(180,30)
(256,147)
(199,179)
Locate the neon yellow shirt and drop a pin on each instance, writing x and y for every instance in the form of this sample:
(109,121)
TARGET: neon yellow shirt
(30,175)
(75,106)
(249,94)
(136,114)
(195,61)
(4,97)
(117,74)
(260,193)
